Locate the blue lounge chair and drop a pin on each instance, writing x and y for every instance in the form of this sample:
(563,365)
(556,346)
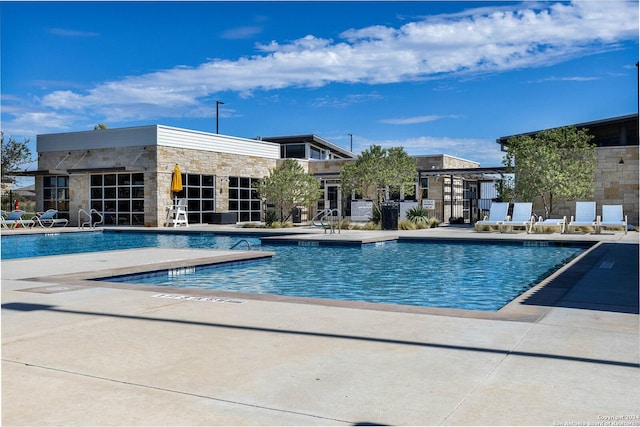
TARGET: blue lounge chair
(48,219)
(14,219)
(497,215)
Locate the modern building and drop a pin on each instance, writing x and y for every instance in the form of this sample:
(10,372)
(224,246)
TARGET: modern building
(125,174)
(617,170)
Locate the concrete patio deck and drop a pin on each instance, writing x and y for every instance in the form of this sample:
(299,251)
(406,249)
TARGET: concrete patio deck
(73,353)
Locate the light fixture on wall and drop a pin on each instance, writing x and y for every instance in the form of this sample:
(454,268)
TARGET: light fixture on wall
(621,162)
(223,179)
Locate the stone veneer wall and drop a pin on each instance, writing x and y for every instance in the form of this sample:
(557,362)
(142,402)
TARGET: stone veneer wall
(456,163)
(443,209)
(327,167)
(137,158)
(615,184)
(618,184)
(157,162)
(222,165)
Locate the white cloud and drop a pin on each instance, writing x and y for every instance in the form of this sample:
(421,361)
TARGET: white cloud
(64,32)
(241,32)
(30,123)
(414,120)
(565,79)
(477,41)
(335,102)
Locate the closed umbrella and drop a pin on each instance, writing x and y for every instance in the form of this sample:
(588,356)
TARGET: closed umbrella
(176,180)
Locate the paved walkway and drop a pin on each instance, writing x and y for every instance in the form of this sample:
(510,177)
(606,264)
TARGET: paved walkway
(79,354)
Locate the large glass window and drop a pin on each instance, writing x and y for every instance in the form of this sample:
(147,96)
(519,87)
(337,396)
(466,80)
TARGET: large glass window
(315,153)
(243,198)
(200,192)
(119,197)
(293,151)
(55,194)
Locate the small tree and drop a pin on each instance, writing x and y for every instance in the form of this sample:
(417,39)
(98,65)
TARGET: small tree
(377,169)
(505,187)
(288,186)
(14,155)
(555,164)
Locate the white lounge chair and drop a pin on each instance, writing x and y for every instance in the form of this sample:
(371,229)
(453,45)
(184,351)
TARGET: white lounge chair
(560,223)
(497,215)
(521,217)
(585,216)
(48,219)
(612,216)
(14,219)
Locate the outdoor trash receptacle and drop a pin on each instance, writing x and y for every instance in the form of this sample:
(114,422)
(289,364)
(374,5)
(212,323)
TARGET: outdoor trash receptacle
(296,215)
(224,218)
(390,215)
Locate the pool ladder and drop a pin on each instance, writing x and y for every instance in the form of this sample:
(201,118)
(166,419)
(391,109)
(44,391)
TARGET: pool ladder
(90,222)
(239,242)
(327,220)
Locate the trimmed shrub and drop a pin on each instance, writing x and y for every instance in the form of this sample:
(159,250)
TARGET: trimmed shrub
(270,217)
(405,224)
(418,214)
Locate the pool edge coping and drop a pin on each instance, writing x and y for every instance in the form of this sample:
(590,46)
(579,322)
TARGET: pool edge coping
(556,286)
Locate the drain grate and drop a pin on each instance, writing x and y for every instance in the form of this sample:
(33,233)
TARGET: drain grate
(200,299)
(607,264)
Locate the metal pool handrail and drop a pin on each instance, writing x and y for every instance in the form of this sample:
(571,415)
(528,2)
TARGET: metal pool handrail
(322,217)
(89,214)
(241,241)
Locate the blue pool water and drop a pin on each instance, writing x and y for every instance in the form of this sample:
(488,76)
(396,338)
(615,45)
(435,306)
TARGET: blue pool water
(33,245)
(473,276)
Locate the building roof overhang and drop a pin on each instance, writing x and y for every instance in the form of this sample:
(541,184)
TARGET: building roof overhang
(43,172)
(106,170)
(503,140)
(39,172)
(314,139)
(487,173)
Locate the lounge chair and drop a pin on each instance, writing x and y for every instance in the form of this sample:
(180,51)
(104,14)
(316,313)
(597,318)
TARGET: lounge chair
(612,216)
(521,217)
(585,216)
(497,215)
(48,219)
(560,223)
(14,219)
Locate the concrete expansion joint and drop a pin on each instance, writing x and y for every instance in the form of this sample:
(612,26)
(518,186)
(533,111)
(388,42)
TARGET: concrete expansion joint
(490,372)
(167,390)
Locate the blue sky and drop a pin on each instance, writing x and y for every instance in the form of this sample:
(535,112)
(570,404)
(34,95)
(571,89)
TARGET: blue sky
(433,77)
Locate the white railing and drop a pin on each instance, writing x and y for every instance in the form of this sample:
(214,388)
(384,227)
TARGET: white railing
(327,220)
(89,215)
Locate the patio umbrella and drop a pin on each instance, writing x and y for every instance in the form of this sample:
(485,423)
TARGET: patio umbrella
(176,181)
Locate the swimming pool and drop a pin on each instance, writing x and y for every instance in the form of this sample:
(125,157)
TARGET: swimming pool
(472,275)
(478,276)
(45,244)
